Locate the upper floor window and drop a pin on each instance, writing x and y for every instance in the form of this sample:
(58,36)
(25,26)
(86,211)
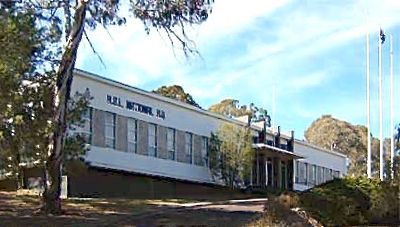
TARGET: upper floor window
(189,147)
(132,135)
(171,143)
(109,129)
(152,133)
(204,150)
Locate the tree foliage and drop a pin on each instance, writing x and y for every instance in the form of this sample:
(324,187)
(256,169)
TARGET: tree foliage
(178,93)
(231,154)
(71,18)
(330,133)
(25,91)
(232,108)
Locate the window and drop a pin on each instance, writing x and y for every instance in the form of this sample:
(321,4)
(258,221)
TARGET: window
(313,174)
(171,143)
(204,150)
(336,174)
(297,175)
(132,135)
(330,174)
(301,173)
(189,147)
(152,140)
(110,129)
(320,175)
(306,174)
(87,125)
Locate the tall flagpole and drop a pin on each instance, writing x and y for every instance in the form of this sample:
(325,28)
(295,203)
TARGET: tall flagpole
(380,105)
(391,107)
(368,112)
(273,108)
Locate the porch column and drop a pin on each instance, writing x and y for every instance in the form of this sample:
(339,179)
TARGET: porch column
(279,173)
(258,169)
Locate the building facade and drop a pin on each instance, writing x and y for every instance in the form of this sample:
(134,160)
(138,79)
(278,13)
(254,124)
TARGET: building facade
(140,132)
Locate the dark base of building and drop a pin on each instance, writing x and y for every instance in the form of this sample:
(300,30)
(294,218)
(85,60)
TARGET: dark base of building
(85,181)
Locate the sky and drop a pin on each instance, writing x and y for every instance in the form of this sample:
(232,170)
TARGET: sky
(311,52)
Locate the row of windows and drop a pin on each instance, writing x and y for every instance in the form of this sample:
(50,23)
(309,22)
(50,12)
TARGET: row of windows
(309,174)
(152,148)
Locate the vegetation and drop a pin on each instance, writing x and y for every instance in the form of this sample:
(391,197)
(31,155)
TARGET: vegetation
(232,108)
(231,154)
(72,18)
(176,92)
(353,201)
(330,133)
(25,90)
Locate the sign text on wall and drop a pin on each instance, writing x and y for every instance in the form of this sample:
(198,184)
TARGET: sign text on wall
(137,107)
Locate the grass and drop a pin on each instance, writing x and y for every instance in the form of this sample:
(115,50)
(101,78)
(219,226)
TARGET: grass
(18,209)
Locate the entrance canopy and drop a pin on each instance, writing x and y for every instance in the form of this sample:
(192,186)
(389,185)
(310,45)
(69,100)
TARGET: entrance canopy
(272,151)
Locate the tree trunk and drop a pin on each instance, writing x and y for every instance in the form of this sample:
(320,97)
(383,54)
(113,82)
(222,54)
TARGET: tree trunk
(51,195)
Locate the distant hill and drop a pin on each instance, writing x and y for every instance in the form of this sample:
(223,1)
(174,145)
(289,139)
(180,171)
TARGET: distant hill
(332,133)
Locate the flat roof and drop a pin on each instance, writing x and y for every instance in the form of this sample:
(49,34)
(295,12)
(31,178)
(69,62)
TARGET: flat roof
(153,95)
(305,143)
(263,145)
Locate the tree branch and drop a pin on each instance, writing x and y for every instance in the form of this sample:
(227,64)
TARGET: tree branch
(93,49)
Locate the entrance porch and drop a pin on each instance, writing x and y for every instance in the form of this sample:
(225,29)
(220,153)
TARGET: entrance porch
(272,168)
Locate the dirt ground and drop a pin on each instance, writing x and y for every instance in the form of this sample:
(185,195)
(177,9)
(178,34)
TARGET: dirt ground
(19,210)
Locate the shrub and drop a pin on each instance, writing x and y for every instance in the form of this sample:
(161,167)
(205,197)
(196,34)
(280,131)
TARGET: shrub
(353,201)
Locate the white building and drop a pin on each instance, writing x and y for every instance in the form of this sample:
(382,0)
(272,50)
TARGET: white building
(140,132)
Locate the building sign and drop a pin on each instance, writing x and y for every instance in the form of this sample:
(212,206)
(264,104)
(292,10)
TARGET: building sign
(136,107)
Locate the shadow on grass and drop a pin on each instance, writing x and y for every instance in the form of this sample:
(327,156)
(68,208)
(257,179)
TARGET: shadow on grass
(18,210)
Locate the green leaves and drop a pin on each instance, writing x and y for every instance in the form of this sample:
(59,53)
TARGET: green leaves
(177,92)
(231,154)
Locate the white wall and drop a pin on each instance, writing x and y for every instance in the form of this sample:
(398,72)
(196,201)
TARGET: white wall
(177,117)
(319,157)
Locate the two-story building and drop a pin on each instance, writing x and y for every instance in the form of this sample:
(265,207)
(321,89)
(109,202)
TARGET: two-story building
(138,136)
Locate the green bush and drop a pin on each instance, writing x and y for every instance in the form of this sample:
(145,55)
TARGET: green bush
(353,201)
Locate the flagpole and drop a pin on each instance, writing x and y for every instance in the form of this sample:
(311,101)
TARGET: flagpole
(368,112)
(380,107)
(391,107)
(273,108)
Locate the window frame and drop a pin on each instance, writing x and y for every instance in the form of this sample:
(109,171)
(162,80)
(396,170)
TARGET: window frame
(204,150)
(171,150)
(129,135)
(107,125)
(152,146)
(189,144)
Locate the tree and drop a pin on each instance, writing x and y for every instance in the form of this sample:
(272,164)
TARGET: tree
(78,15)
(351,140)
(177,92)
(231,154)
(232,108)
(23,106)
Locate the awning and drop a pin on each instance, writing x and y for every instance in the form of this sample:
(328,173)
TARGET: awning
(263,146)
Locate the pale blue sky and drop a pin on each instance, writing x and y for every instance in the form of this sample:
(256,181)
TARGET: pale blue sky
(312,51)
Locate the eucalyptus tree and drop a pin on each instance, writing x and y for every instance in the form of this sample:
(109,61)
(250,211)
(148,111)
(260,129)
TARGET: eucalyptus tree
(231,154)
(72,18)
(178,93)
(22,57)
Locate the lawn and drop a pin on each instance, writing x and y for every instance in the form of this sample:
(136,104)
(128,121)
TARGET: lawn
(19,210)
